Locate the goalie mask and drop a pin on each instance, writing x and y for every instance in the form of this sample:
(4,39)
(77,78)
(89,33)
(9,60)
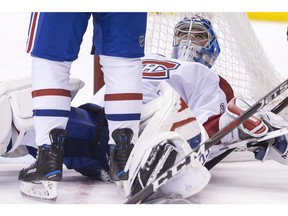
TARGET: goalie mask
(195,40)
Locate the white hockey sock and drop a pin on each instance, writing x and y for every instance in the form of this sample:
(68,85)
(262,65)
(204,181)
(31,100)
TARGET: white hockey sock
(51,96)
(123,97)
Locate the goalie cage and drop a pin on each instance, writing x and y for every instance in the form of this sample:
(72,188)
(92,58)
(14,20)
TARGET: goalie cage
(242,61)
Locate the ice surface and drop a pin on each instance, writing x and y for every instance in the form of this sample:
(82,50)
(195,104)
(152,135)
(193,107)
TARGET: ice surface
(249,182)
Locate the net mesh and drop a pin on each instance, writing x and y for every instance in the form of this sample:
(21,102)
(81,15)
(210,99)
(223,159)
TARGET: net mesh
(242,61)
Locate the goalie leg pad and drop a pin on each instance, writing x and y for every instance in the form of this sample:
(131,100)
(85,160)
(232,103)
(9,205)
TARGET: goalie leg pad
(160,159)
(16,111)
(174,124)
(188,182)
(6,121)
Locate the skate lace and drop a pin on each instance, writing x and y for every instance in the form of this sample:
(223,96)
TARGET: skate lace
(123,153)
(32,166)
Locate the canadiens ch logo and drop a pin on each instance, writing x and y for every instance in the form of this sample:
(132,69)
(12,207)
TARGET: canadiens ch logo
(157,69)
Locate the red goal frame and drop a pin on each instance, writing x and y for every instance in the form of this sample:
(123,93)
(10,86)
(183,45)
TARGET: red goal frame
(98,75)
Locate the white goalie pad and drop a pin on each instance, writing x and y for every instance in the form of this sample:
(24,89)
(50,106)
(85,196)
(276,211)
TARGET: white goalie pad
(167,118)
(16,109)
(6,122)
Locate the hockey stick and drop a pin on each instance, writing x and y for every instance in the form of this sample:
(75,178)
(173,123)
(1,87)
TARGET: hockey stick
(172,171)
(282,105)
(252,141)
(210,164)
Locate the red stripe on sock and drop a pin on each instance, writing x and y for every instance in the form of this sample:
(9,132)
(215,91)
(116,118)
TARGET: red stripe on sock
(125,96)
(48,92)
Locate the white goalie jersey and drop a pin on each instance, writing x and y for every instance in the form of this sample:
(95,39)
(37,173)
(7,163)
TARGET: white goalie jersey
(204,91)
(191,80)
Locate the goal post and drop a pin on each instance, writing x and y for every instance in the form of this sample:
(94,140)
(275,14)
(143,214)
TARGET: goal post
(98,75)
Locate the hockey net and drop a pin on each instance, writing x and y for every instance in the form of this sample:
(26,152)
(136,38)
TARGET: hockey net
(242,61)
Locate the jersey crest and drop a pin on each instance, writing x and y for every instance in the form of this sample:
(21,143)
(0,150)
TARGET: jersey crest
(158,69)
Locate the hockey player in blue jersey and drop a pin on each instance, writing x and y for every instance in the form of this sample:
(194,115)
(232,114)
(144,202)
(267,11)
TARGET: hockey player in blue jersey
(54,42)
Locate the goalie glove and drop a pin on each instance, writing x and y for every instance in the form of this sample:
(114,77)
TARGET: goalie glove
(252,127)
(256,126)
(277,148)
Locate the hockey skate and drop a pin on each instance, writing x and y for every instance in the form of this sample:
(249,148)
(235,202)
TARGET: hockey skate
(46,170)
(120,153)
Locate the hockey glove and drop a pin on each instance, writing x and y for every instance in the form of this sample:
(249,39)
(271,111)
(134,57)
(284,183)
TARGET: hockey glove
(277,148)
(252,127)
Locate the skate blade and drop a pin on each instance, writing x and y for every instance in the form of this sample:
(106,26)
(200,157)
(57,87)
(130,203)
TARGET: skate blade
(36,191)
